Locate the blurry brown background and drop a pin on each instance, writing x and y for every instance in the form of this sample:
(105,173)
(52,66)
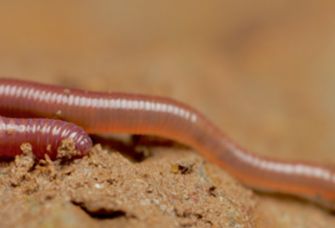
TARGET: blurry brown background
(262,70)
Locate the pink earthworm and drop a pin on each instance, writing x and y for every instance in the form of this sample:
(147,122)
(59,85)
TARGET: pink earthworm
(100,112)
(44,135)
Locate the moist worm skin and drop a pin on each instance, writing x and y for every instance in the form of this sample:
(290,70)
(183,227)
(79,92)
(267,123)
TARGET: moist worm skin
(44,135)
(99,112)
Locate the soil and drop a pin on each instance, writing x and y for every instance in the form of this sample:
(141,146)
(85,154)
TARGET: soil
(170,188)
(262,73)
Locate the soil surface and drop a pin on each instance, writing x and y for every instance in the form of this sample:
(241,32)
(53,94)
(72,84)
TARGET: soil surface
(262,72)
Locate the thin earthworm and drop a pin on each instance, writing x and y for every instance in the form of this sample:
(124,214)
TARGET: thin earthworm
(99,112)
(45,136)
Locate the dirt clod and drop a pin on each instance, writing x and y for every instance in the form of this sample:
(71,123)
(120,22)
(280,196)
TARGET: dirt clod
(67,150)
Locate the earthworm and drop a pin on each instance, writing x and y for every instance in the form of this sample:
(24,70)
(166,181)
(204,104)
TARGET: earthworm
(99,112)
(46,136)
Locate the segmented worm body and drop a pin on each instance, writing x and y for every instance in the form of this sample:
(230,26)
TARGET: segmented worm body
(44,135)
(99,112)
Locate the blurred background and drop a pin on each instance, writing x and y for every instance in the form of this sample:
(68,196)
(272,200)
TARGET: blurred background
(262,70)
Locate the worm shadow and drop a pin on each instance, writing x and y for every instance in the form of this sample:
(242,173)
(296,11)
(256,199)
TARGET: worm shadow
(136,147)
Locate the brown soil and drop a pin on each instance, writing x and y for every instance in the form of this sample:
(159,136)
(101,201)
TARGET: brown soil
(172,188)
